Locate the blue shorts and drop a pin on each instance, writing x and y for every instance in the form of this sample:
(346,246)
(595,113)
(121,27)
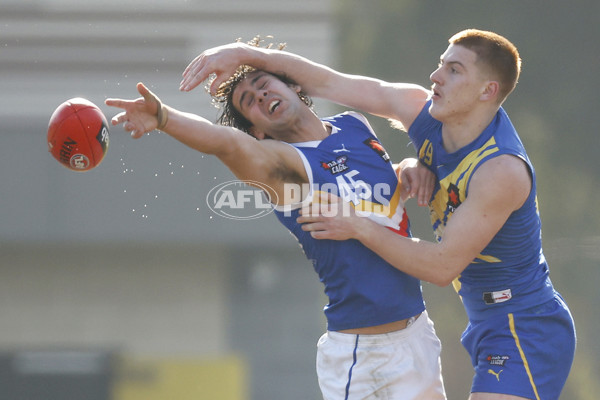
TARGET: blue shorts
(527,353)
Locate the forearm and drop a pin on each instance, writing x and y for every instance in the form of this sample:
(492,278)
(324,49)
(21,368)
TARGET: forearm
(422,259)
(398,101)
(247,158)
(200,134)
(314,78)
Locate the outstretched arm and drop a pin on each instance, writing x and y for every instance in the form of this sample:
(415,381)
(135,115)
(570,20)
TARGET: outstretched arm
(248,158)
(398,101)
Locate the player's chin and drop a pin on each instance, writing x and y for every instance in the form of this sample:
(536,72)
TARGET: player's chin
(436,111)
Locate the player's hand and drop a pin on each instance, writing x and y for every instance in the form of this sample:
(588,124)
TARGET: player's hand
(416,179)
(328,217)
(221,61)
(140,115)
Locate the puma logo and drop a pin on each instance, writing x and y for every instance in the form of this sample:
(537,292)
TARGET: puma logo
(342,149)
(497,375)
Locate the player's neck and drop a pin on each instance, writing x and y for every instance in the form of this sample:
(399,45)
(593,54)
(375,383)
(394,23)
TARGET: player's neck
(311,129)
(459,132)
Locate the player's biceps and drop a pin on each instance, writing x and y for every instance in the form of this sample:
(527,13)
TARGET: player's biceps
(464,237)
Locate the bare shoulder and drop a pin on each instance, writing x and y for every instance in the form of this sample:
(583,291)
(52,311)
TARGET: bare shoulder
(497,188)
(505,179)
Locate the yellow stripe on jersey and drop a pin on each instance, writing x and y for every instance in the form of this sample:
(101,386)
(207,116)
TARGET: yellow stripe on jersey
(457,284)
(511,323)
(460,178)
(488,259)
(380,209)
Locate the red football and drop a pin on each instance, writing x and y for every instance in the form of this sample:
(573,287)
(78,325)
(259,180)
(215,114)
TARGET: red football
(78,134)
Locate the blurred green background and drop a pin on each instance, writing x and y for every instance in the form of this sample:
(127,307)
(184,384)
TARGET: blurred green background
(554,109)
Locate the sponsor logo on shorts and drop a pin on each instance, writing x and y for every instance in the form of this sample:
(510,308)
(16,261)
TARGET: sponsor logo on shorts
(496,374)
(497,360)
(497,297)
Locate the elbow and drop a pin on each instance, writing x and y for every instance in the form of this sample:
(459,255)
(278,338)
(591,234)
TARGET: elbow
(442,282)
(447,270)
(444,278)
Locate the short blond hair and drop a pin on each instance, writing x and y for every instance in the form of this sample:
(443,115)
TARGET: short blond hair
(496,53)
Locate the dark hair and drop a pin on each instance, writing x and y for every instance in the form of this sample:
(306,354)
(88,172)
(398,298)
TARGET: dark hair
(497,53)
(223,98)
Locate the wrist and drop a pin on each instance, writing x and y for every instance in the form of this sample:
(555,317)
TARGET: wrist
(362,228)
(162,115)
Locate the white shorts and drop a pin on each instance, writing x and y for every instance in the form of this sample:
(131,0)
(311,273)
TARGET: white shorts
(401,365)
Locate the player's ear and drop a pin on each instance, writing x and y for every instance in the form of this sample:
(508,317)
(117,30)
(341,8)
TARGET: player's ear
(295,87)
(490,91)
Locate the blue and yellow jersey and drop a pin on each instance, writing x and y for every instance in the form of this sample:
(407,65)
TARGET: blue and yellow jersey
(511,272)
(362,288)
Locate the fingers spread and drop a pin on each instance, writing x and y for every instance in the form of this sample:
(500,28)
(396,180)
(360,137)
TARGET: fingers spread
(194,74)
(114,102)
(119,118)
(190,66)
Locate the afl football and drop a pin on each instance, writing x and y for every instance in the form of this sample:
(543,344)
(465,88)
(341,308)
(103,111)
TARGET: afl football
(78,134)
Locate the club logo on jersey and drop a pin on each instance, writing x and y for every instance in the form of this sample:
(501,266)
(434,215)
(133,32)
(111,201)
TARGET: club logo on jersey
(497,360)
(378,148)
(336,166)
(453,197)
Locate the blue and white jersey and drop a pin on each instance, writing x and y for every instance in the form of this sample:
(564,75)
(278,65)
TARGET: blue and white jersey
(363,289)
(511,273)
